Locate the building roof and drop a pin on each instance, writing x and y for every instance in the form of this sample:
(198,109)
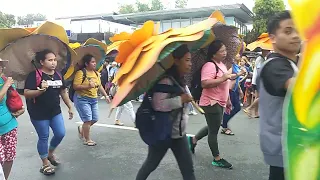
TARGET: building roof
(240,11)
(87,17)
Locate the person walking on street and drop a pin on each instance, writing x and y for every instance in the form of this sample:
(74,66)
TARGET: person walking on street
(274,79)
(43,103)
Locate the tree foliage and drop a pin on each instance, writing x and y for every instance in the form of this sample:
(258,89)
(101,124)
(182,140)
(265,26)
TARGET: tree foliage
(126,9)
(142,7)
(263,10)
(30,18)
(152,5)
(156,5)
(7,20)
(181,3)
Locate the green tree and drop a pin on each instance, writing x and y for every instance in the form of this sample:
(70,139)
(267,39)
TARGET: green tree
(156,5)
(7,20)
(263,10)
(142,7)
(126,9)
(30,18)
(153,5)
(181,3)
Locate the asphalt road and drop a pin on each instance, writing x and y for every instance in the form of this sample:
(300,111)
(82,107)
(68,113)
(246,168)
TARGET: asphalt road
(120,152)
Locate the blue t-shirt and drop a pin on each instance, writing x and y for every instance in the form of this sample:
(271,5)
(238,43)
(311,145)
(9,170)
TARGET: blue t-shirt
(236,69)
(7,121)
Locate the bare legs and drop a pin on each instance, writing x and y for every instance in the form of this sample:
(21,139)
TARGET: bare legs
(7,168)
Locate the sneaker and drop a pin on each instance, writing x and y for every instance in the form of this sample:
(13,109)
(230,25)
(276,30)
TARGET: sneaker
(222,163)
(192,146)
(193,113)
(118,123)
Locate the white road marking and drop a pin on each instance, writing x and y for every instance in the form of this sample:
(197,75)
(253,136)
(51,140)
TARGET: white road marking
(119,127)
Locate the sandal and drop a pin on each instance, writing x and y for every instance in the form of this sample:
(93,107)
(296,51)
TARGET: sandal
(227,132)
(53,161)
(118,123)
(247,113)
(79,132)
(47,170)
(89,143)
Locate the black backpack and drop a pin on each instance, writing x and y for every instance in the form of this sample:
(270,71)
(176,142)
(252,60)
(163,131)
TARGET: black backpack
(196,87)
(155,127)
(71,89)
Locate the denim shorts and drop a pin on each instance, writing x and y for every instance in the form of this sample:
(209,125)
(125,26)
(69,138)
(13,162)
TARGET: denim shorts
(87,107)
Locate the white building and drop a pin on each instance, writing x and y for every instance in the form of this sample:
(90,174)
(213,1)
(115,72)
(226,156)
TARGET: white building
(92,24)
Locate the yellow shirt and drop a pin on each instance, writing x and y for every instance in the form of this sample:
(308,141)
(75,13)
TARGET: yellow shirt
(92,76)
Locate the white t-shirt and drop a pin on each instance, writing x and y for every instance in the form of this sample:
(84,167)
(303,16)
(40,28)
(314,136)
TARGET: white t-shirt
(259,62)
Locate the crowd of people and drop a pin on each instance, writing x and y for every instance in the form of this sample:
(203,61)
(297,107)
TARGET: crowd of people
(224,92)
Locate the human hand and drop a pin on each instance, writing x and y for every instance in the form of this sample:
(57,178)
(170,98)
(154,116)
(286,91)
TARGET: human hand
(18,113)
(241,94)
(92,84)
(70,111)
(44,84)
(226,76)
(242,71)
(9,82)
(186,98)
(233,76)
(108,99)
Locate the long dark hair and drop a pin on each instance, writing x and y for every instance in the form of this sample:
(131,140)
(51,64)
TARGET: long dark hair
(214,47)
(178,54)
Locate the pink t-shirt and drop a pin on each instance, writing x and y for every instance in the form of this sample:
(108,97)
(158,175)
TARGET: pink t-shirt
(219,94)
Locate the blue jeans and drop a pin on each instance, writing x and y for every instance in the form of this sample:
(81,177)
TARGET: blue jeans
(87,108)
(235,101)
(191,108)
(42,128)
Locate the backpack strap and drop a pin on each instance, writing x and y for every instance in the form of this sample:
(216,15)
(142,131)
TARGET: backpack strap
(38,77)
(84,75)
(165,88)
(60,77)
(217,69)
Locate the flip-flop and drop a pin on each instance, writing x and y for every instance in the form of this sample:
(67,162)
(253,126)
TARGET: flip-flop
(247,113)
(227,132)
(53,161)
(47,170)
(89,143)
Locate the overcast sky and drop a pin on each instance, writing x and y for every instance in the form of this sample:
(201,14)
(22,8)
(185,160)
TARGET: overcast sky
(58,8)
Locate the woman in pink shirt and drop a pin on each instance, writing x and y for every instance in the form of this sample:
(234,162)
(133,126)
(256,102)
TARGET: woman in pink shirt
(214,98)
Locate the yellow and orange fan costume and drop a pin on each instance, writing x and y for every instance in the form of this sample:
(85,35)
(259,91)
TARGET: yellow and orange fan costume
(145,54)
(262,42)
(302,126)
(19,45)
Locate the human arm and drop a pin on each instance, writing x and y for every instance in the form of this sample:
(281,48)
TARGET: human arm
(5,87)
(78,84)
(208,76)
(277,75)
(101,89)
(30,87)
(162,101)
(66,100)
(288,82)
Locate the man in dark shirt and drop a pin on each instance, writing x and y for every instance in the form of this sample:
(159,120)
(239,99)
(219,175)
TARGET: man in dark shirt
(275,77)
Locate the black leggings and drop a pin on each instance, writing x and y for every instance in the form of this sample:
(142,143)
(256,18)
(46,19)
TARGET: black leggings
(213,116)
(181,152)
(276,173)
